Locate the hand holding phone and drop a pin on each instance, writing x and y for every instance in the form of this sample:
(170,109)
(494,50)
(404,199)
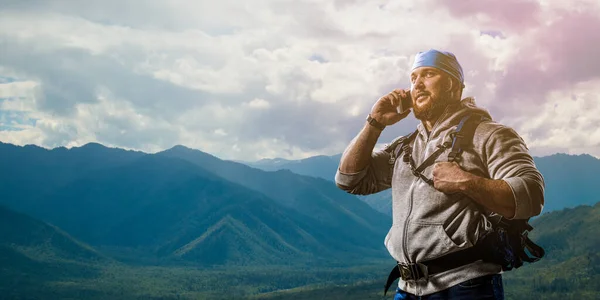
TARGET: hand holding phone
(405,103)
(392,107)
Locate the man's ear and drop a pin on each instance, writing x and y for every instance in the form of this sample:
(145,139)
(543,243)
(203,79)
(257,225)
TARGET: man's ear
(449,83)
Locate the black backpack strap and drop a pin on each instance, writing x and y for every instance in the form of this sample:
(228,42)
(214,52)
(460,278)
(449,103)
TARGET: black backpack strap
(535,250)
(394,274)
(519,231)
(400,144)
(461,137)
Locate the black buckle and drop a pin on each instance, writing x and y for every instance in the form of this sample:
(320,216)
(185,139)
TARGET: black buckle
(408,272)
(413,272)
(453,156)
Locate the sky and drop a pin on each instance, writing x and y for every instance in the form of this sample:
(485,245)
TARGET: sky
(246,80)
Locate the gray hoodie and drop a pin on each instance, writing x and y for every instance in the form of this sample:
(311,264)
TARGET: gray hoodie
(427,223)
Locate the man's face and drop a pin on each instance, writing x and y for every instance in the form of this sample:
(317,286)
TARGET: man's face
(429,92)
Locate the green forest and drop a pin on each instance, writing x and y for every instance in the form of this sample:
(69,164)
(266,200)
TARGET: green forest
(570,270)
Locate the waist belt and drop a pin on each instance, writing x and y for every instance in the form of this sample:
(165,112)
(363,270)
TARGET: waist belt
(422,270)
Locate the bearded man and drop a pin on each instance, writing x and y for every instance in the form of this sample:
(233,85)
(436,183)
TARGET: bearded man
(442,208)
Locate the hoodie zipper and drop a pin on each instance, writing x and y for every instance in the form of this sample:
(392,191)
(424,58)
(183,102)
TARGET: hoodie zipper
(412,190)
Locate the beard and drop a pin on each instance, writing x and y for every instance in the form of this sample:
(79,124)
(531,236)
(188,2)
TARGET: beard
(432,109)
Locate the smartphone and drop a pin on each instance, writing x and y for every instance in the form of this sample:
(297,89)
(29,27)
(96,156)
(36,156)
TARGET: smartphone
(405,104)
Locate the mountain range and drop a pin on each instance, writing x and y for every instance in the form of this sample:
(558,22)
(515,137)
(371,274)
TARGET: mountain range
(570,180)
(186,206)
(322,166)
(78,216)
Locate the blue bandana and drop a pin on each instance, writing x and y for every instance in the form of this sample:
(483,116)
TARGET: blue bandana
(442,60)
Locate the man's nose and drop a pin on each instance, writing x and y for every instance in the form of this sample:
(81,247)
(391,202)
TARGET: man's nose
(418,83)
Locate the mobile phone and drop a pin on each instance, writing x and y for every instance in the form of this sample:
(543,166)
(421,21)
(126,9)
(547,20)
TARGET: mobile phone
(405,104)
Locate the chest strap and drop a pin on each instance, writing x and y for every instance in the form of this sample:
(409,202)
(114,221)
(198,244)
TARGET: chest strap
(461,137)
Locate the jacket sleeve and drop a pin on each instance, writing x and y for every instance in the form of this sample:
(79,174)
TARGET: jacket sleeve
(375,177)
(508,159)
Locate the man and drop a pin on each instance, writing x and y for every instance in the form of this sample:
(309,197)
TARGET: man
(496,176)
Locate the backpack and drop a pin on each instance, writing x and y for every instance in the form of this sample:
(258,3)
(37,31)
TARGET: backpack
(505,244)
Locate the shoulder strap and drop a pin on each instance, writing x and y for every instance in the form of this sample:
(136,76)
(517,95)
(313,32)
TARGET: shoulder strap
(391,147)
(399,144)
(461,138)
(463,134)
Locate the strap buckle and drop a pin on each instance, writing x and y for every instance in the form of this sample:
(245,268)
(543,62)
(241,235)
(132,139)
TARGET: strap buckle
(454,156)
(413,272)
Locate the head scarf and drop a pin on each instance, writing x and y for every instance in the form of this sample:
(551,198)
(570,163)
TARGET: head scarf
(442,60)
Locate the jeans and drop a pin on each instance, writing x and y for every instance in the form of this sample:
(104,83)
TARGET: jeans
(484,288)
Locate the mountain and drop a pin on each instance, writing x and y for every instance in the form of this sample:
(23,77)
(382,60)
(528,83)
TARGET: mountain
(28,235)
(33,166)
(158,208)
(267,164)
(571,180)
(319,199)
(33,252)
(324,167)
(321,166)
(569,232)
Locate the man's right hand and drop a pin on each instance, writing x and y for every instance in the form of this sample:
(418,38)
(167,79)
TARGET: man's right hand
(384,111)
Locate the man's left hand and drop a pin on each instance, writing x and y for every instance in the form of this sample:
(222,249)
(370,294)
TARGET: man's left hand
(449,178)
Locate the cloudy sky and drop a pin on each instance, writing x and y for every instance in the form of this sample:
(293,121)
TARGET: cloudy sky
(285,78)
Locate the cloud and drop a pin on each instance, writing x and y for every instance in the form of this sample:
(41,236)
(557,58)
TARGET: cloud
(259,103)
(557,57)
(509,15)
(268,78)
(569,120)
